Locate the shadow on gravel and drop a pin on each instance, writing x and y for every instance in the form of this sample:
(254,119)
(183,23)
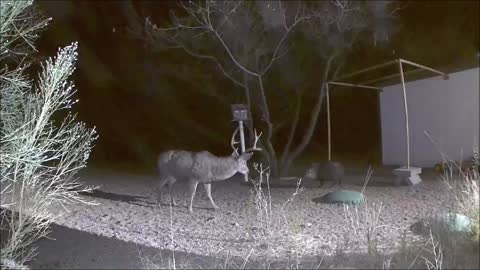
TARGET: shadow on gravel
(75,249)
(68,248)
(275,183)
(114,196)
(135,200)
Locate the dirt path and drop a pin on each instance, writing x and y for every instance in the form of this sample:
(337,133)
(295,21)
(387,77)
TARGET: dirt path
(126,212)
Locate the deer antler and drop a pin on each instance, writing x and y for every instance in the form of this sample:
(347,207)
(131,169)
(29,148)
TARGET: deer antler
(254,148)
(233,142)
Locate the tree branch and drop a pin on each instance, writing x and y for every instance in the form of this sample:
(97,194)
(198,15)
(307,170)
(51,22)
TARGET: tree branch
(232,57)
(279,44)
(313,119)
(293,129)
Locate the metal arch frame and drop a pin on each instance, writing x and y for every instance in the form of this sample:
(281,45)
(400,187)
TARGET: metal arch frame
(364,85)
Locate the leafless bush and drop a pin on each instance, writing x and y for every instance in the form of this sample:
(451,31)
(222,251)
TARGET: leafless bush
(462,182)
(464,188)
(449,245)
(19,27)
(270,217)
(452,248)
(261,199)
(369,233)
(171,261)
(39,157)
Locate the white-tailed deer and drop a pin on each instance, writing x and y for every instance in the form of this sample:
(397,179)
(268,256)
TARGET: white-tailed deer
(201,167)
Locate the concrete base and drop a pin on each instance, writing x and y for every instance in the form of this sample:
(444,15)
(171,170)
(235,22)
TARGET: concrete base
(407,176)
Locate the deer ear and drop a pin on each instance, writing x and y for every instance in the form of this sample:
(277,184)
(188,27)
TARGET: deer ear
(246,156)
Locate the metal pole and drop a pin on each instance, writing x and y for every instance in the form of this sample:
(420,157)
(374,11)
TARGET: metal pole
(242,136)
(392,76)
(365,70)
(445,76)
(380,135)
(242,143)
(406,113)
(355,85)
(328,125)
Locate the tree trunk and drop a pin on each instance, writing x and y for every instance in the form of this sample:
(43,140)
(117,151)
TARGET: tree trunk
(266,117)
(313,121)
(291,136)
(250,123)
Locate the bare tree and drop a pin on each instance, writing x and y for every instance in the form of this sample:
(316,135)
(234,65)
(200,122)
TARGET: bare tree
(246,39)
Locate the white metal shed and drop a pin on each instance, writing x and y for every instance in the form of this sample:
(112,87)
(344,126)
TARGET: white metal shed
(444,107)
(447,110)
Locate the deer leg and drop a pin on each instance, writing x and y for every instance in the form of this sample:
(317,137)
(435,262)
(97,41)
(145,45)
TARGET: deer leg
(340,182)
(170,185)
(208,189)
(193,188)
(163,182)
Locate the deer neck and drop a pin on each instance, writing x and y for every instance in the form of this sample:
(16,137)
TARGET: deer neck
(225,168)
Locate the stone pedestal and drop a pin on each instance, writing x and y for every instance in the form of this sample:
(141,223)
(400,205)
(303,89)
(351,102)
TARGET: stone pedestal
(407,176)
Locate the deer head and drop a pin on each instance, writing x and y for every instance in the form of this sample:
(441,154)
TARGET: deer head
(245,156)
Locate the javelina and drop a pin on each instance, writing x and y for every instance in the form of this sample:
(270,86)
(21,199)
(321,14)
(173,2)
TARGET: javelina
(326,171)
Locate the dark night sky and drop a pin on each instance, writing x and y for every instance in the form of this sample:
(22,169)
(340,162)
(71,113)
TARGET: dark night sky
(140,108)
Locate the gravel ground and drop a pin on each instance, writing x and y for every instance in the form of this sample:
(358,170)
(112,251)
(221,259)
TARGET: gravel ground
(126,211)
